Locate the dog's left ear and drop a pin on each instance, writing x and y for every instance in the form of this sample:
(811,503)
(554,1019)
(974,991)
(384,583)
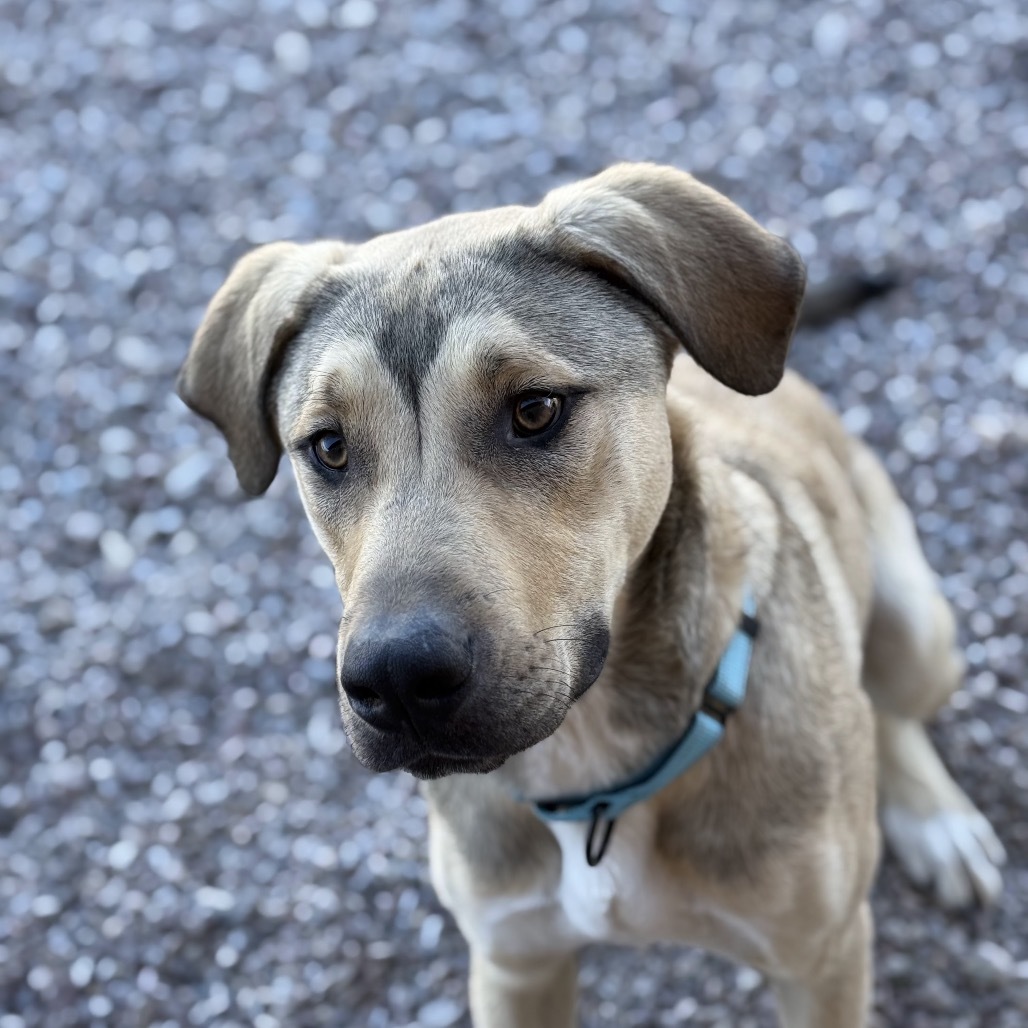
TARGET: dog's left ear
(728,290)
(240,343)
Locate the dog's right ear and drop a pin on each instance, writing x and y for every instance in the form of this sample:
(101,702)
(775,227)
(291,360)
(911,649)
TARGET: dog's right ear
(240,343)
(728,290)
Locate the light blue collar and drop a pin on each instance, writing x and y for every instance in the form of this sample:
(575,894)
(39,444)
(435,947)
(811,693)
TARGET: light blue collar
(723,695)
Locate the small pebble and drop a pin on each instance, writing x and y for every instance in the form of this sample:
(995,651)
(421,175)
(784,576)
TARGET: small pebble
(439,1013)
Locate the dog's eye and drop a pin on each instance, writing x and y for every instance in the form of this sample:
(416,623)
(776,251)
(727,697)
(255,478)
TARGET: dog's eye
(330,450)
(535,412)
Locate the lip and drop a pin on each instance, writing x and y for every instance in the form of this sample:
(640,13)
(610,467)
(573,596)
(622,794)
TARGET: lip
(404,750)
(398,746)
(434,766)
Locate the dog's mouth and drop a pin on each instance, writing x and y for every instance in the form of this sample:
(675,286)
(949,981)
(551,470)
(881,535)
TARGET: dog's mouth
(474,749)
(432,766)
(380,752)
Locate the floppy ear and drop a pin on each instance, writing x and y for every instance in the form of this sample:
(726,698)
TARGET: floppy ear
(728,290)
(239,345)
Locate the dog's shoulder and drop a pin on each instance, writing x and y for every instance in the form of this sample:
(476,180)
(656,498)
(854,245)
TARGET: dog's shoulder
(795,448)
(773,425)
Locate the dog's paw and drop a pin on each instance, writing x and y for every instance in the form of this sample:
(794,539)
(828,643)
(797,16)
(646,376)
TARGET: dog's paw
(955,853)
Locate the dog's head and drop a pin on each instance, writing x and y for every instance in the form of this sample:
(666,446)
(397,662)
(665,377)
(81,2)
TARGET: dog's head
(475,413)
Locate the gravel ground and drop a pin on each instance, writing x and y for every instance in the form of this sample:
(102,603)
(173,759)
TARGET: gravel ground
(184,837)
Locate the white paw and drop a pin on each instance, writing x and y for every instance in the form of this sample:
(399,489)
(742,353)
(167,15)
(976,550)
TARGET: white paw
(954,852)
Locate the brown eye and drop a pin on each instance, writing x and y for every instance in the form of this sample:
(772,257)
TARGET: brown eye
(330,450)
(535,412)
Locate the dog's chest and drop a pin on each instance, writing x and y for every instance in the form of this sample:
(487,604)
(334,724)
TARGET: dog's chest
(614,899)
(630,897)
(619,900)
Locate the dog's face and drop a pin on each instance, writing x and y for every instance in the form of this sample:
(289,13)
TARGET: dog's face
(482,449)
(475,414)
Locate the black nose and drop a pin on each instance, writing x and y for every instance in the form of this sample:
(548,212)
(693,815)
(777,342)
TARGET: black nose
(409,667)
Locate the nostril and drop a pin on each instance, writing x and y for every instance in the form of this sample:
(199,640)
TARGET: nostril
(438,682)
(361,693)
(369,705)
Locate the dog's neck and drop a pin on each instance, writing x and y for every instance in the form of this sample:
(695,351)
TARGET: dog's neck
(672,618)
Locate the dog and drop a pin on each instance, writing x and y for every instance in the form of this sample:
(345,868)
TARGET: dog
(657,635)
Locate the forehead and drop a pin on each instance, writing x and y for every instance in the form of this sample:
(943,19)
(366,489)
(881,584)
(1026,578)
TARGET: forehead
(482,311)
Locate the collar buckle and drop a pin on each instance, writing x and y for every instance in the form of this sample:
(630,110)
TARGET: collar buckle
(717,709)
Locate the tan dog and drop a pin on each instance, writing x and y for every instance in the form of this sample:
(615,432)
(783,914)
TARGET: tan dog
(543,546)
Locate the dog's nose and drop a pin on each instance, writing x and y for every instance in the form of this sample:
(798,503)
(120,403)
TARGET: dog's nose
(410,667)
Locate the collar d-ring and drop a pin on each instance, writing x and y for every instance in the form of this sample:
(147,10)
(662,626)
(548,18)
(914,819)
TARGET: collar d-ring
(594,849)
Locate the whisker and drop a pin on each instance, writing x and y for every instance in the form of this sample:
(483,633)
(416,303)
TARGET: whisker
(555,670)
(510,684)
(539,697)
(529,694)
(551,628)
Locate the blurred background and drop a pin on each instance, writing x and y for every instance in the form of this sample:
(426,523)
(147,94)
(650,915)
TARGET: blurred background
(184,836)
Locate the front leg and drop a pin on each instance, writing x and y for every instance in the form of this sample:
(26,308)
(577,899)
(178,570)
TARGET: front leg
(838,993)
(536,992)
(497,868)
